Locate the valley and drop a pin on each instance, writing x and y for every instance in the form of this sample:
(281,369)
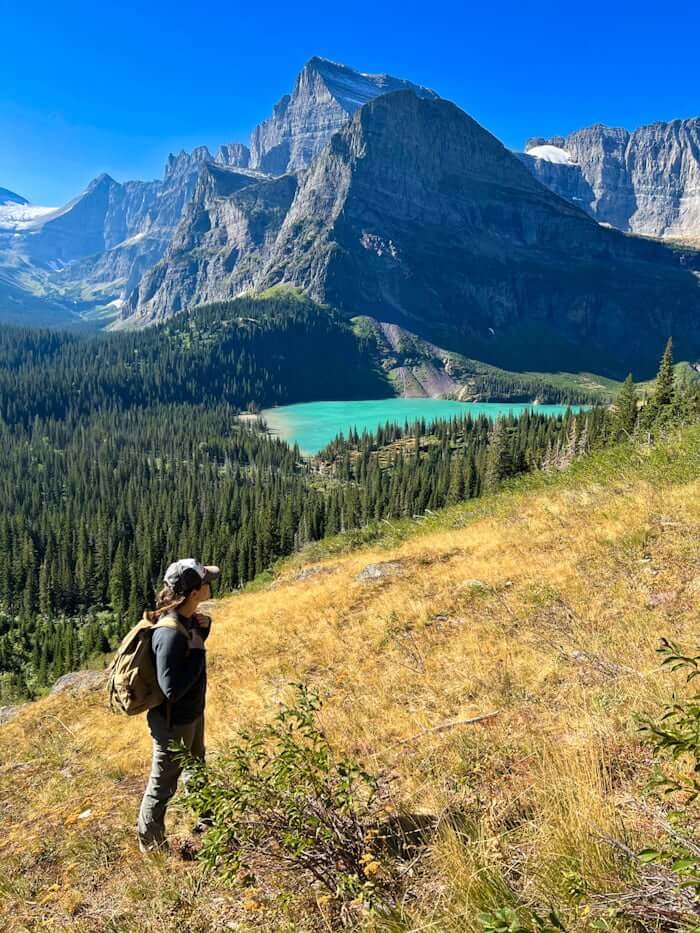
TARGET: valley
(431,404)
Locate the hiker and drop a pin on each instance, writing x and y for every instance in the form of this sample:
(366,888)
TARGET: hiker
(180,665)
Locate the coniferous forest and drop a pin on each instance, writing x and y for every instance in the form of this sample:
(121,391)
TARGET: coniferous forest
(119,453)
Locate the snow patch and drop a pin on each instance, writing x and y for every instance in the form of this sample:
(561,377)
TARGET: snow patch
(23,216)
(132,240)
(551,154)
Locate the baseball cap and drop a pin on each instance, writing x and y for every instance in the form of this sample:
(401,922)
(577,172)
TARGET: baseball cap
(188,574)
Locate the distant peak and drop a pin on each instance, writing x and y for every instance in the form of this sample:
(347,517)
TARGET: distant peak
(186,161)
(102,180)
(353,88)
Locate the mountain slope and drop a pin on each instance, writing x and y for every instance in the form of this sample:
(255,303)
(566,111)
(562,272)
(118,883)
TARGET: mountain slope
(415,215)
(479,609)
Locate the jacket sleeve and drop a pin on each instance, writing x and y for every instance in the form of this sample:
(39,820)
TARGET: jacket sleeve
(176,669)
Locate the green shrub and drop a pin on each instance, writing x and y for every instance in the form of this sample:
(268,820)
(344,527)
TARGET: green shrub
(281,798)
(675,736)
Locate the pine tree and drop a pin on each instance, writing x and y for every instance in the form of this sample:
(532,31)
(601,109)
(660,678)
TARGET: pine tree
(658,411)
(119,582)
(625,417)
(663,391)
(498,460)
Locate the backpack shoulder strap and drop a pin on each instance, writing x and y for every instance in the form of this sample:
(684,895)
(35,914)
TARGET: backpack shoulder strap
(172,621)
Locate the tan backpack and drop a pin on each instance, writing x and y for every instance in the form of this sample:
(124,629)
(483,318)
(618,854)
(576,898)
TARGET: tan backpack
(132,686)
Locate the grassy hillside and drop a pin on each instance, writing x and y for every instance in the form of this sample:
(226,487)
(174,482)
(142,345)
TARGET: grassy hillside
(544,603)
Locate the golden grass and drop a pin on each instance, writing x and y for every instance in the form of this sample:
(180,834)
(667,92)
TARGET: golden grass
(548,610)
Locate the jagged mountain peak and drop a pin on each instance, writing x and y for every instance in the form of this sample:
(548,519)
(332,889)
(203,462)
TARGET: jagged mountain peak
(415,214)
(184,162)
(233,154)
(103,180)
(325,96)
(352,88)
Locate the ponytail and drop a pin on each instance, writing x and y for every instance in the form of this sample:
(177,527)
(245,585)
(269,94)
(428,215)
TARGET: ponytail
(166,601)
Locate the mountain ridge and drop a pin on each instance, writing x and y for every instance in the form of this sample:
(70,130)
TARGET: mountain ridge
(413,213)
(646,181)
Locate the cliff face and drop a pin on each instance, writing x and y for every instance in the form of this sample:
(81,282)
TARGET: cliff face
(324,98)
(228,225)
(415,215)
(235,155)
(645,182)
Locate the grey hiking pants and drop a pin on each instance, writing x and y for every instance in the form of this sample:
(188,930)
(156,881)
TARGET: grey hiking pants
(165,772)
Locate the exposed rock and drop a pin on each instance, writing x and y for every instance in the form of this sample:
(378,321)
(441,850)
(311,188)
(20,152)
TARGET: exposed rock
(231,221)
(661,599)
(306,573)
(8,713)
(235,155)
(324,98)
(380,571)
(80,681)
(645,182)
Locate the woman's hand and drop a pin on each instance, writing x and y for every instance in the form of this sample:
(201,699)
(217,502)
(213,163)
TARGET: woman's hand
(202,620)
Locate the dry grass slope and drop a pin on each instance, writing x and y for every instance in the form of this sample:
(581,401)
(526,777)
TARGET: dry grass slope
(545,603)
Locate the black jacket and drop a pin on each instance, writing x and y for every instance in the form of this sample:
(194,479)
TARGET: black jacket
(181,671)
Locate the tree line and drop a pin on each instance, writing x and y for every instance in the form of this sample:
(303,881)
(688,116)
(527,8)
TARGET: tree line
(95,505)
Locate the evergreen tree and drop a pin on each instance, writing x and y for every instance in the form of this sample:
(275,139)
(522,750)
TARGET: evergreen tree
(625,417)
(498,461)
(663,391)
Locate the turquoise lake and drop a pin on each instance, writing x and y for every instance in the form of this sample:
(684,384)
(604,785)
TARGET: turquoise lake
(312,425)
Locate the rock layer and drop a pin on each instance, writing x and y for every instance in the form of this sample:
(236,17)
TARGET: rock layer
(645,182)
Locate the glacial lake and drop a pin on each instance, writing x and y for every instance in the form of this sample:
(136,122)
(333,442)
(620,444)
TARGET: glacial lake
(312,425)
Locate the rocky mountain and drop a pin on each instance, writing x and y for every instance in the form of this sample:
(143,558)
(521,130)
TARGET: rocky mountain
(324,98)
(105,214)
(645,182)
(415,215)
(97,247)
(232,218)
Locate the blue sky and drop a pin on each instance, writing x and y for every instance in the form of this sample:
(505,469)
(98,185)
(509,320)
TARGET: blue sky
(89,87)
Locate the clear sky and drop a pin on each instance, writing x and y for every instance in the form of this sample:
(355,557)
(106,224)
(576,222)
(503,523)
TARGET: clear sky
(93,87)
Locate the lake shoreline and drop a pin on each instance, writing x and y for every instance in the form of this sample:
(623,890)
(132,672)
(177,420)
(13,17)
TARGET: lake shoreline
(312,425)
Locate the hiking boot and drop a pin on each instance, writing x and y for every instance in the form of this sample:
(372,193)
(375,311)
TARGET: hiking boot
(154,848)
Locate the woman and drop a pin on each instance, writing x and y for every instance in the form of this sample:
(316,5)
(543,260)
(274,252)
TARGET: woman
(180,663)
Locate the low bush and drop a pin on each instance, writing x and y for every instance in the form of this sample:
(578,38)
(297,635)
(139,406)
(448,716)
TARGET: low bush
(281,798)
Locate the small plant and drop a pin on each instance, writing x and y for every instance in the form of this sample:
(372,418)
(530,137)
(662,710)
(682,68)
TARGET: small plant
(676,735)
(508,920)
(281,798)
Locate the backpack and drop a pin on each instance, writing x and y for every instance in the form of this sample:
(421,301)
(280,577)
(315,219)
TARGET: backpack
(132,687)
